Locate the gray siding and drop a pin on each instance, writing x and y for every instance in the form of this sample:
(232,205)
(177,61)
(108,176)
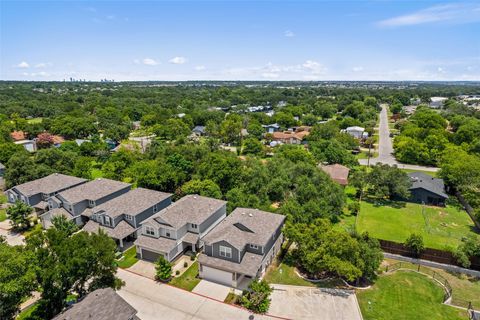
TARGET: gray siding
(212,219)
(257,251)
(35,199)
(216,251)
(421,195)
(80,207)
(112,195)
(139,218)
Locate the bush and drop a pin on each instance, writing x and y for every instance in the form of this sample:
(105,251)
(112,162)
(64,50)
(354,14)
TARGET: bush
(415,244)
(192,258)
(163,269)
(257,297)
(354,208)
(185,264)
(177,272)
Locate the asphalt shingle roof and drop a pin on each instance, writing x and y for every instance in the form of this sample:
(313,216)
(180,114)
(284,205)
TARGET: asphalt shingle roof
(189,209)
(244,226)
(93,190)
(156,244)
(337,172)
(121,230)
(49,184)
(101,304)
(250,263)
(132,203)
(429,183)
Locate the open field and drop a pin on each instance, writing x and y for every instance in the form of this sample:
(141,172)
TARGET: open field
(440,227)
(406,295)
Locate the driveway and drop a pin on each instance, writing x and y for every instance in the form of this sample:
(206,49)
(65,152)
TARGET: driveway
(212,290)
(156,301)
(385,148)
(13,238)
(144,268)
(296,302)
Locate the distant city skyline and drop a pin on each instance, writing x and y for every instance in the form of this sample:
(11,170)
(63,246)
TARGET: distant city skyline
(240,40)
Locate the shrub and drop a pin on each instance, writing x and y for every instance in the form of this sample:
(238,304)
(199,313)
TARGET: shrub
(257,297)
(192,258)
(354,208)
(415,244)
(177,272)
(163,269)
(185,264)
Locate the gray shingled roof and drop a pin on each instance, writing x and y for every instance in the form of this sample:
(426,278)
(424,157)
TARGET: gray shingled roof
(93,190)
(121,230)
(132,203)
(246,226)
(250,263)
(101,304)
(189,209)
(49,184)
(429,183)
(156,244)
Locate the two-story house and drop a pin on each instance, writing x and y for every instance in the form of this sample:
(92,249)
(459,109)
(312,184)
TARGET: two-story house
(35,193)
(178,227)
(121,217)
(241,247)
(72,203)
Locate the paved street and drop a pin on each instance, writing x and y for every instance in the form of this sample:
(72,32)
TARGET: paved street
(159,301)
(296,302)
(385,147)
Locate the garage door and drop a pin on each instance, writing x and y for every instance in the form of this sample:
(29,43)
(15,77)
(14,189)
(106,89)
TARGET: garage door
(216,275)
(150,255)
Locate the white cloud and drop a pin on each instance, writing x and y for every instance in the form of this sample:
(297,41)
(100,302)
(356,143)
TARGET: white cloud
(36,74)
(357,69)
(23,65)
(314,66)
(200,68)
(270,75)
(146,61)
(453,13)
(178,60)
(43,65)
(289,34)
(440,70)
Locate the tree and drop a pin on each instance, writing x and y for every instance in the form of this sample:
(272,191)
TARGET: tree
(414,243)
(19,215)
(8,149)
(163,269)
(252,146)
(17,279)
(206,188)
(257,297)
(44,140)
(386,181)
(61,223)
(21,168)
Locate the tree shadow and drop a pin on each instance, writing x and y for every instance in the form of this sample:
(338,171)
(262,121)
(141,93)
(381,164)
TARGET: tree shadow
(377,202)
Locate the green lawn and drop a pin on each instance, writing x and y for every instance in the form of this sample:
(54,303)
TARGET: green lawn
(36,227)
(129,258)
(406,295)
(430,173)
(3,215)
(441,227)
(35,120)
(188,280)
(27,313)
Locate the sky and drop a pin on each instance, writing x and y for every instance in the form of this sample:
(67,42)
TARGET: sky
(240,40)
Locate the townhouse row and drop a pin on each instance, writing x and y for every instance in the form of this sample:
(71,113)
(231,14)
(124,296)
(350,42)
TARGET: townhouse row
(233,249)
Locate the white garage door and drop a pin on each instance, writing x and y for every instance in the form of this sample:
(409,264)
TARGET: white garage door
(216,275)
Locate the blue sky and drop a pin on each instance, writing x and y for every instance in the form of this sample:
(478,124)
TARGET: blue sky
(240,40)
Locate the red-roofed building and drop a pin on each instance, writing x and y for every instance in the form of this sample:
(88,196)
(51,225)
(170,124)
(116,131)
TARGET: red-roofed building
(337,172)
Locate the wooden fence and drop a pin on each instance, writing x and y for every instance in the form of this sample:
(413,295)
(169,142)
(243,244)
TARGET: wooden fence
(435,255)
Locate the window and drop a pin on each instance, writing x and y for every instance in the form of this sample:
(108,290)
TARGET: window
(44,196)
(91,203)
(128,217)
(225,252)
(155,208)
(253,246)
(107,220)
(194,226)
(149,231)
(167,234)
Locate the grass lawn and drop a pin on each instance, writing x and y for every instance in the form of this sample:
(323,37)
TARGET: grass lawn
(406,295)
(27,313)
(188,280)
(430,173)
(129,258)
(35,120)
(441,227)
(3,215)
(36,227)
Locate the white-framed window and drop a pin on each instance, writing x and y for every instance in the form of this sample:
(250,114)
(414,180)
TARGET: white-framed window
(194,226)
(128,217)
(91,203)
(155,208)
(107,220)
(167,234)
(149,231)
(253,246)
(225,252)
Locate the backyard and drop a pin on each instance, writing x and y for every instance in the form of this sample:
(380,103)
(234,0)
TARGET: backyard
(406,295)
(441,227)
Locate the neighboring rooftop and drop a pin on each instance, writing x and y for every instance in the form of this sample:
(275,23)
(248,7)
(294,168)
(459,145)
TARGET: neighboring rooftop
(18,135)
(133,202)
(246,226)
(93,190)
(189,209)
(429,183)
(121,230)
(337,172)
(355,128)
(49,184)
(101,304)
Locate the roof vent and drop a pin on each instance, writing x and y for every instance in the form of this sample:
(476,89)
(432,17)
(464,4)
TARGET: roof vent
(250,215)
(243,213)
(194,197)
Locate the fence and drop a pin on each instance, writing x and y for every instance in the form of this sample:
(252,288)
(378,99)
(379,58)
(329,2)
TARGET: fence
(424,270)
(435,255)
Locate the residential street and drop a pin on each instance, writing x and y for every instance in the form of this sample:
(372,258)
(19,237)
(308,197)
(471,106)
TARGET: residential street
(159,301)
(385,148)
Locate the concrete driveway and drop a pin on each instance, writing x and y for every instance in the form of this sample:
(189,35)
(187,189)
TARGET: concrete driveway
(212,290)
(13,238)
(296,302)
(144,268)
(155,301)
